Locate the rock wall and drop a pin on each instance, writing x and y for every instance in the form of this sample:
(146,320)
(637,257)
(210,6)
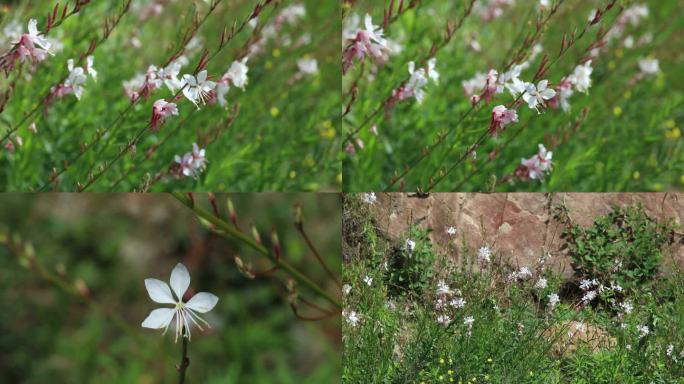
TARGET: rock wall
(518,226)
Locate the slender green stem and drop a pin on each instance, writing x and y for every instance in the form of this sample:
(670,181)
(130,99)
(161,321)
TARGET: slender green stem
(184,359)
(230,231)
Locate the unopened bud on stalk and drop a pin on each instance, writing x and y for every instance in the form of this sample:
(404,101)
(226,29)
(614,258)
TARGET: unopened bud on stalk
(212,201)
(60,269)
(255,234)
(298,215)
(244,269)
(231,211)
(29,251)
(292,292)
(81,287)
(276,243)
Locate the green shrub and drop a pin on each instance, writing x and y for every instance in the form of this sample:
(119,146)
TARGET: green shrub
(624,246)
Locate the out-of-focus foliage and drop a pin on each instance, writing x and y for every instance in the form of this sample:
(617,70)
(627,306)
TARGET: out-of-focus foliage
(111,243)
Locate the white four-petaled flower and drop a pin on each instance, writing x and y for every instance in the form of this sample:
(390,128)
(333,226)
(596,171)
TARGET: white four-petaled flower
(184,313)
(197,89)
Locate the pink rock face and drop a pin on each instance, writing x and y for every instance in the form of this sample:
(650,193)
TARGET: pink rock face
(518,226)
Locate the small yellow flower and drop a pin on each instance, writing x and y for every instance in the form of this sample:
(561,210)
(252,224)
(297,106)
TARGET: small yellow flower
(681,179)
(275,111)
(627,95)
(268,64)
(308,161)
(636,175)
(293,174)
(276,53)
(619,53)
(611,65)
(670,124)
(674,134)
(489,360)
(531,374)
(339,178)
(441,360)
(451,361)
(617,111)
(451,372)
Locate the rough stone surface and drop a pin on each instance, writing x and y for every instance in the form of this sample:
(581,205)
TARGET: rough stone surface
(518,226)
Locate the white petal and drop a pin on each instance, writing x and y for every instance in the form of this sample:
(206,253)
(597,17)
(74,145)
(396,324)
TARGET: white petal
(542,85)
(202,302)
(190,80)
(33,27)
(202,76)
(159,318)
(159,291)
(208,86)
(548,93)
(180,280)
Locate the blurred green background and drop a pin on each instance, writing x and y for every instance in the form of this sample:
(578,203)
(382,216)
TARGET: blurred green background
(109,244)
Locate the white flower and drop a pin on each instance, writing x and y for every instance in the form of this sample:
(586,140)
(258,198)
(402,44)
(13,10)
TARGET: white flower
(535,96)
(589,297)
(669,350)
(170,76)
(585,284)
(369,198)
(307,66)
(368,280)
(416,82)
(237,73)
(184,313)
(346,289)
(432,72)
(352,318)
(193,163)
(626,306)
(643,330)
(649,66)
(524,273)
(484,254)
(468,322)
(581,77)
(197,89)
(76,79)
(443,319)
(510,80)
(458,302)
(451,231)
(540,284)
(410,245)
(89,67)
(553,300)
(443,288)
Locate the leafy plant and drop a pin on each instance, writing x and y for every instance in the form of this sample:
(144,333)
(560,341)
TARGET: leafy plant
(410,270)
(624,246)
